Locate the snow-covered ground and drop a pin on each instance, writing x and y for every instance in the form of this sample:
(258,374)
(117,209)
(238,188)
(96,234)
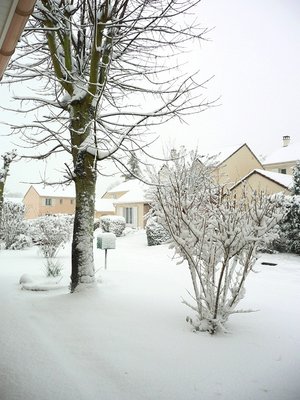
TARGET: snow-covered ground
(128,339)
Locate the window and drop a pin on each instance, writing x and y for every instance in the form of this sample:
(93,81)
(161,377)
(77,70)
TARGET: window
(60,201)
(48,202)
(282,170)
(128,215)
(72,201)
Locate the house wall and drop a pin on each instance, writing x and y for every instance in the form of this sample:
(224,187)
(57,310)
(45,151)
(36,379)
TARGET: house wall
(236,166)
(278,167)
(140,223)
(261,184)
(60,205)
(35,205)
(31,203)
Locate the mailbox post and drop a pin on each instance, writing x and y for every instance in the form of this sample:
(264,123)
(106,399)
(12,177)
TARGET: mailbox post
(106,241)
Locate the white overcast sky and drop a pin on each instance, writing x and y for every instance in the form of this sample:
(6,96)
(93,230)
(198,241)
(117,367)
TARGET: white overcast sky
(254,54)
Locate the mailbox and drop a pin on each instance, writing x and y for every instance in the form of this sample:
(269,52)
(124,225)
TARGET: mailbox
(106,241)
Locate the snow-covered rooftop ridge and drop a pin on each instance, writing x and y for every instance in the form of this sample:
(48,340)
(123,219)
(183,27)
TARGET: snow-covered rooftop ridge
(137,195)
(55,191)
(104,205)
(282,179)
(126,186)
(284,154)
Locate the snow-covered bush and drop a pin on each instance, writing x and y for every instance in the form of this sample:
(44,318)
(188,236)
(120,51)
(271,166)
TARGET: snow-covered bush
(21,242)
(53,267)
(12,225)
(51,232)
(156,233)
(288,239)
(215,232)
(113,223)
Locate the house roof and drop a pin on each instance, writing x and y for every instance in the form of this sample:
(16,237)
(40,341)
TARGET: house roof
(130,184)
(104,205)
(284,154)
(286,181)
(13,17)
(218,156)
(135,192)
(137,195)
(55,191)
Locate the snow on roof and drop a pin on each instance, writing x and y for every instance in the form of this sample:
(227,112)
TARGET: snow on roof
(104,205)
(282,179)
(126,186)
(284,154)
(133,196)
(55,191)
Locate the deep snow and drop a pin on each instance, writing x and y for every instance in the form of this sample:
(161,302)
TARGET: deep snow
(127,339)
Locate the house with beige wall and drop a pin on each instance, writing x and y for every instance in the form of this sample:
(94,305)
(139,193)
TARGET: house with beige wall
(42,200)
(260,180)
(284,159)
(232,163)
(130,201)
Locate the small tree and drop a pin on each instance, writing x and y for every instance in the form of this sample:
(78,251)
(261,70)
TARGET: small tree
(12,224)
(133,168)
(216,234)
(4,171)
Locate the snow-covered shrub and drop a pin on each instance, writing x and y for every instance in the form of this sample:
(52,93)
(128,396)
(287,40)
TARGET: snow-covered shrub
(12,223)
(215,232)
(97,224)
(288,239)
(156,233)
(53,267)
(288,231)
(21,242)
(113,223)
(51,232)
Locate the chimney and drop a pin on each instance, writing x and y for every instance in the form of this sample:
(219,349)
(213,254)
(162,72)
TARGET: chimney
(286,141)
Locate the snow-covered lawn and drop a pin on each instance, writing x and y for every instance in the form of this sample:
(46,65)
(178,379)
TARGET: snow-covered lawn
(128,339)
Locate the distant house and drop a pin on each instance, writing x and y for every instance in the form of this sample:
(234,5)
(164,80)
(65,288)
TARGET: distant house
(265,181)
(42,200)
(130,201)
(284,159)
(232,163)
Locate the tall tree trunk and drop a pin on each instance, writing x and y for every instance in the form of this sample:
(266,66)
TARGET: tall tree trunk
(83,271)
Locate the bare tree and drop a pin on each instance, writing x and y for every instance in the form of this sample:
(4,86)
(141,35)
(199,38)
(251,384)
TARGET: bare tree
(107,74)
(216,233)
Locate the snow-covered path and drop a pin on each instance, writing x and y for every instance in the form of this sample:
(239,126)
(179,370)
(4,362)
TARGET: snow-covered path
(128,338)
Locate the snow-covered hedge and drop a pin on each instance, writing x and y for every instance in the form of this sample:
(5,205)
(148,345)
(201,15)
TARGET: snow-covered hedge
(156,233)
(12,225)
(288,230)
(51,232)
(113,223)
